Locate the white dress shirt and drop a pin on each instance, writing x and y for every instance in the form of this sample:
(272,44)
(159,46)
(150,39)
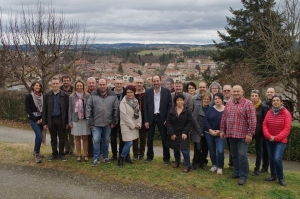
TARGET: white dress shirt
(157,101)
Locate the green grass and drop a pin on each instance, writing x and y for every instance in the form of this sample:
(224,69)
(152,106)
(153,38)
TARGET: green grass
(157,175)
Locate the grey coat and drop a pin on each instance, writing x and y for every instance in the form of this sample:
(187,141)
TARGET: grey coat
(197,100)
(198,117)
(73,117)
(102,111)
(188,101)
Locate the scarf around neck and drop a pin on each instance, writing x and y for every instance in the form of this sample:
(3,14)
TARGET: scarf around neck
(257,104)
(79,105)
(38,100)
(277,110)
(135,105)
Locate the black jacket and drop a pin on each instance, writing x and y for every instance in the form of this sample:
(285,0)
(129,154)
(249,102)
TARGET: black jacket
(48,108)
(261,112)
(178,125)
(30,108)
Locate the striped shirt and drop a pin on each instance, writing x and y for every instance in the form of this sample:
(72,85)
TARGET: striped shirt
(239,119)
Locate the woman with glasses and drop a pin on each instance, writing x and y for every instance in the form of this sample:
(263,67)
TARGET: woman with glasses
(191,88)
(214,88)
(276,128)
(261,111)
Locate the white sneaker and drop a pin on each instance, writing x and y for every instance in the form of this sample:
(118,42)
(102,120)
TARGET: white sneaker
(220,171)
(213,169)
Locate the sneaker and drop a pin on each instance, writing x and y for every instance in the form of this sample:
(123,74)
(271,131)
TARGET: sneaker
(95,163)
(220,171)
(41,156)
(107,160)
(135,157)
(63,158)
(241,182)
(38,159)
(213,169)
(52,158)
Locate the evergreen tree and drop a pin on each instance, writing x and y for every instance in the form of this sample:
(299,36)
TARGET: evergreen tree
(240,43)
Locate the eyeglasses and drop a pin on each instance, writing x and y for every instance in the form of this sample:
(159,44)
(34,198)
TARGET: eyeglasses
(227,90)
(215,88)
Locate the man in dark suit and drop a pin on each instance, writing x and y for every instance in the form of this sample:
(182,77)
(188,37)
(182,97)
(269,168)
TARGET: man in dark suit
(157,105)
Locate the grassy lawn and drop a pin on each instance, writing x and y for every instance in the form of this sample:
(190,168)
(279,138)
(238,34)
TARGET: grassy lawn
(200,183)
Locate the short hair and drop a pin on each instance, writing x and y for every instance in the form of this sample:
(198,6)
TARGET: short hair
(177,97)
(220,95)
(215,84)
(169,80)
(256,91)
(119,78)
(228,86)
(65,77)
(157,76)
(178,82)
(139,78)
(91,79)
(190,84)
(55,78)
(34,83)
(74,90)
(279,96)
(206,94)
(130,87)
(103,79)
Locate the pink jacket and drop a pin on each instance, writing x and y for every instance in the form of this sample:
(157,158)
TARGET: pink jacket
(278,126)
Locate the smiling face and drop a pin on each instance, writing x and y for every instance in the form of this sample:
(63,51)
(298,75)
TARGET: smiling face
(91,85)
(102,85)
(191,90)
(66,82)
(237,93)
(55,84)
(202,87)
(139,83)
(205,101)
(79,87)
(130,94)
(118,84)
(227,92)
(276,102)
(179,102)
(36,87)
(156,82)
(270,93)
(178,88)
(214,89)
(169,85)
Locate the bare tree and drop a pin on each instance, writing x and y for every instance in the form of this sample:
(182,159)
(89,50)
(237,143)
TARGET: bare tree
(283,49)
(39,43)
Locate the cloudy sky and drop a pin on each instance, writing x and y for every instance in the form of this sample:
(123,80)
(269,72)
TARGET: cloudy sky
(142,21)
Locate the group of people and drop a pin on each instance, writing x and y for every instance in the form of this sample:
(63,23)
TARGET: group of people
(206,116)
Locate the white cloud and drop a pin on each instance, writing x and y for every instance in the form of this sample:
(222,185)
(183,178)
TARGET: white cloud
(144,21)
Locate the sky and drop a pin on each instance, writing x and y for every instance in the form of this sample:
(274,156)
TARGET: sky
(141,21)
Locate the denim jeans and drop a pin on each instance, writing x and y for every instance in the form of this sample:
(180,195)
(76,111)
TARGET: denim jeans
(186,157)
(275,150)
(239,149)
(38,130)
(216,150)
(98,132)
(163,134)
(126,149)
(258,151)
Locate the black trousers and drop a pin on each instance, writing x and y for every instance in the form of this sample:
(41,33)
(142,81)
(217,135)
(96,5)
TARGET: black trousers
(57,130)
(115,132)
(230,156)
(204,152)
(142,138)
(265,162)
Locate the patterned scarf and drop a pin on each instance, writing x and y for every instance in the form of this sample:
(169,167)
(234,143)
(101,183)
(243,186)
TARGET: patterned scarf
(277,110)
(134,103)
(257,104)
(79,105)
(38,100)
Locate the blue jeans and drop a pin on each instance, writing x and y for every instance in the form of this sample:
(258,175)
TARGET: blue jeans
(98,132)
(216,150)
(38,129)
(238,150)
(126,149)
(275,151)
(163,134)
(186,157)
(258,150)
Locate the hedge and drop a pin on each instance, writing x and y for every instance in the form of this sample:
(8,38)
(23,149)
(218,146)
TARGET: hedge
(12,108)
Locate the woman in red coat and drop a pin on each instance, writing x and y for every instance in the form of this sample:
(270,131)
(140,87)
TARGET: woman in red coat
(276,128)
